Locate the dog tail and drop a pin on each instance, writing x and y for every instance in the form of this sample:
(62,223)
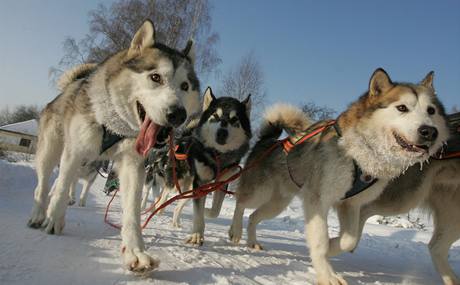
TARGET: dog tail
(75,73)
(285,117)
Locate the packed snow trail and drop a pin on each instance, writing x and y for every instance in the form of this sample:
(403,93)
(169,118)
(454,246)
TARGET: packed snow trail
(88,250)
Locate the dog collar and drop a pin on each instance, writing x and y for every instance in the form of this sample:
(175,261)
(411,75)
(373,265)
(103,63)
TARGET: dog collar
(109,139)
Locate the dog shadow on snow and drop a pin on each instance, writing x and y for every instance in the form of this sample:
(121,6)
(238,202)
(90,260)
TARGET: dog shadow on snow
(368,264)
(375,259)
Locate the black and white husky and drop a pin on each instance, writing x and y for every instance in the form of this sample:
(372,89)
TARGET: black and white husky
(217,140)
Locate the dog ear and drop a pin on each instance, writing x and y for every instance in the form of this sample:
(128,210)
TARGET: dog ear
(428,80)
(144,38)
(189,50)
(379,83)
(208,98)
(247,103)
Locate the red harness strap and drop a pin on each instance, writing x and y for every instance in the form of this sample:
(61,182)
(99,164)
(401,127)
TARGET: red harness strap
(205,189)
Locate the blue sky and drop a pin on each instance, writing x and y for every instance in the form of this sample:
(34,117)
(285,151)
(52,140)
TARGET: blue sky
(321,51)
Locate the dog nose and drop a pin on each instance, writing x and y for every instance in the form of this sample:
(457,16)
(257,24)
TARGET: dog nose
(222,135)
(176,116)
(428,133)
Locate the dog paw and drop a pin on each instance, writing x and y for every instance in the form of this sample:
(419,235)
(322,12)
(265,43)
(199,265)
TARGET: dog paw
(71,201)
(54,225)
(176,225)
(37,217)
(137,260)
(235,235)
(196,239)
(82,203)
(255,246)
(55,219)
(332,280)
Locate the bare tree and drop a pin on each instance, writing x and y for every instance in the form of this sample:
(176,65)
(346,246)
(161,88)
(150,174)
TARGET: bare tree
(111,29)
(5,115)
(19,114)
(318,113)
(245,78)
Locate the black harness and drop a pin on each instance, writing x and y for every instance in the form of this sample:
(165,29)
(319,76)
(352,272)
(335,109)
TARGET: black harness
(109,139)
(361,181)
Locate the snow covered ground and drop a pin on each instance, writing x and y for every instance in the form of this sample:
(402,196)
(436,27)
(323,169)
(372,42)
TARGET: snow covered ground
(88,251)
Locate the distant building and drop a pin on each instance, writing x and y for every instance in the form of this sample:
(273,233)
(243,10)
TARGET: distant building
(19,137)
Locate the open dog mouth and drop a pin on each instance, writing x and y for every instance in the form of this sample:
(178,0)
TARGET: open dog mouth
(410,147)
(148,133)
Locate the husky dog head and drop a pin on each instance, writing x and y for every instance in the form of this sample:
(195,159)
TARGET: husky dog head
(150,86)
(394,125)
(224,124)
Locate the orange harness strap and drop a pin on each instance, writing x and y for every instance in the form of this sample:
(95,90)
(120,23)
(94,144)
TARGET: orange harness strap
(180,156)
(288,145)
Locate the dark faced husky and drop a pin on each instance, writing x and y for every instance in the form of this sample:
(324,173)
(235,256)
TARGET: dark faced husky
(218,140)
(116,111)
(390,128)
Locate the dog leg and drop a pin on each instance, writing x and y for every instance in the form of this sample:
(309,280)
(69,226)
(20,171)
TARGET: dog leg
(269,210)
(197,236)
(132,174)
(219,196)
(178,211)
(318,241)
(146,191)
(444,235)
(187,184)
(236,229)
(348,238)
(55,216)
(47,158)
(217,200)
(73,187)
(163,197)
(84,192)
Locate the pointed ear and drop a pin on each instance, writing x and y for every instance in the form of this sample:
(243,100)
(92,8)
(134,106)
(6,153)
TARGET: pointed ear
(379,83)
(144,38)
(428,80)
(208,98)
(189,51)
(247,103)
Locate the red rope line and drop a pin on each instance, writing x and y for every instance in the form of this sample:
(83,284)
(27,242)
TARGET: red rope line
(452,155)
(106,215)
(207,188)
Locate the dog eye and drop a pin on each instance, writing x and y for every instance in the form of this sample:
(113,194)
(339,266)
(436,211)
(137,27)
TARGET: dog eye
(402,108)
(156,77)
(431,110)
(184,86)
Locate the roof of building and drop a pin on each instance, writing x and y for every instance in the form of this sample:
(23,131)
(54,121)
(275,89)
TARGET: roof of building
(29,127)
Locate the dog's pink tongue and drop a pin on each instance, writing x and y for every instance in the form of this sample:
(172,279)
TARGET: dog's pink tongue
(147,137)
